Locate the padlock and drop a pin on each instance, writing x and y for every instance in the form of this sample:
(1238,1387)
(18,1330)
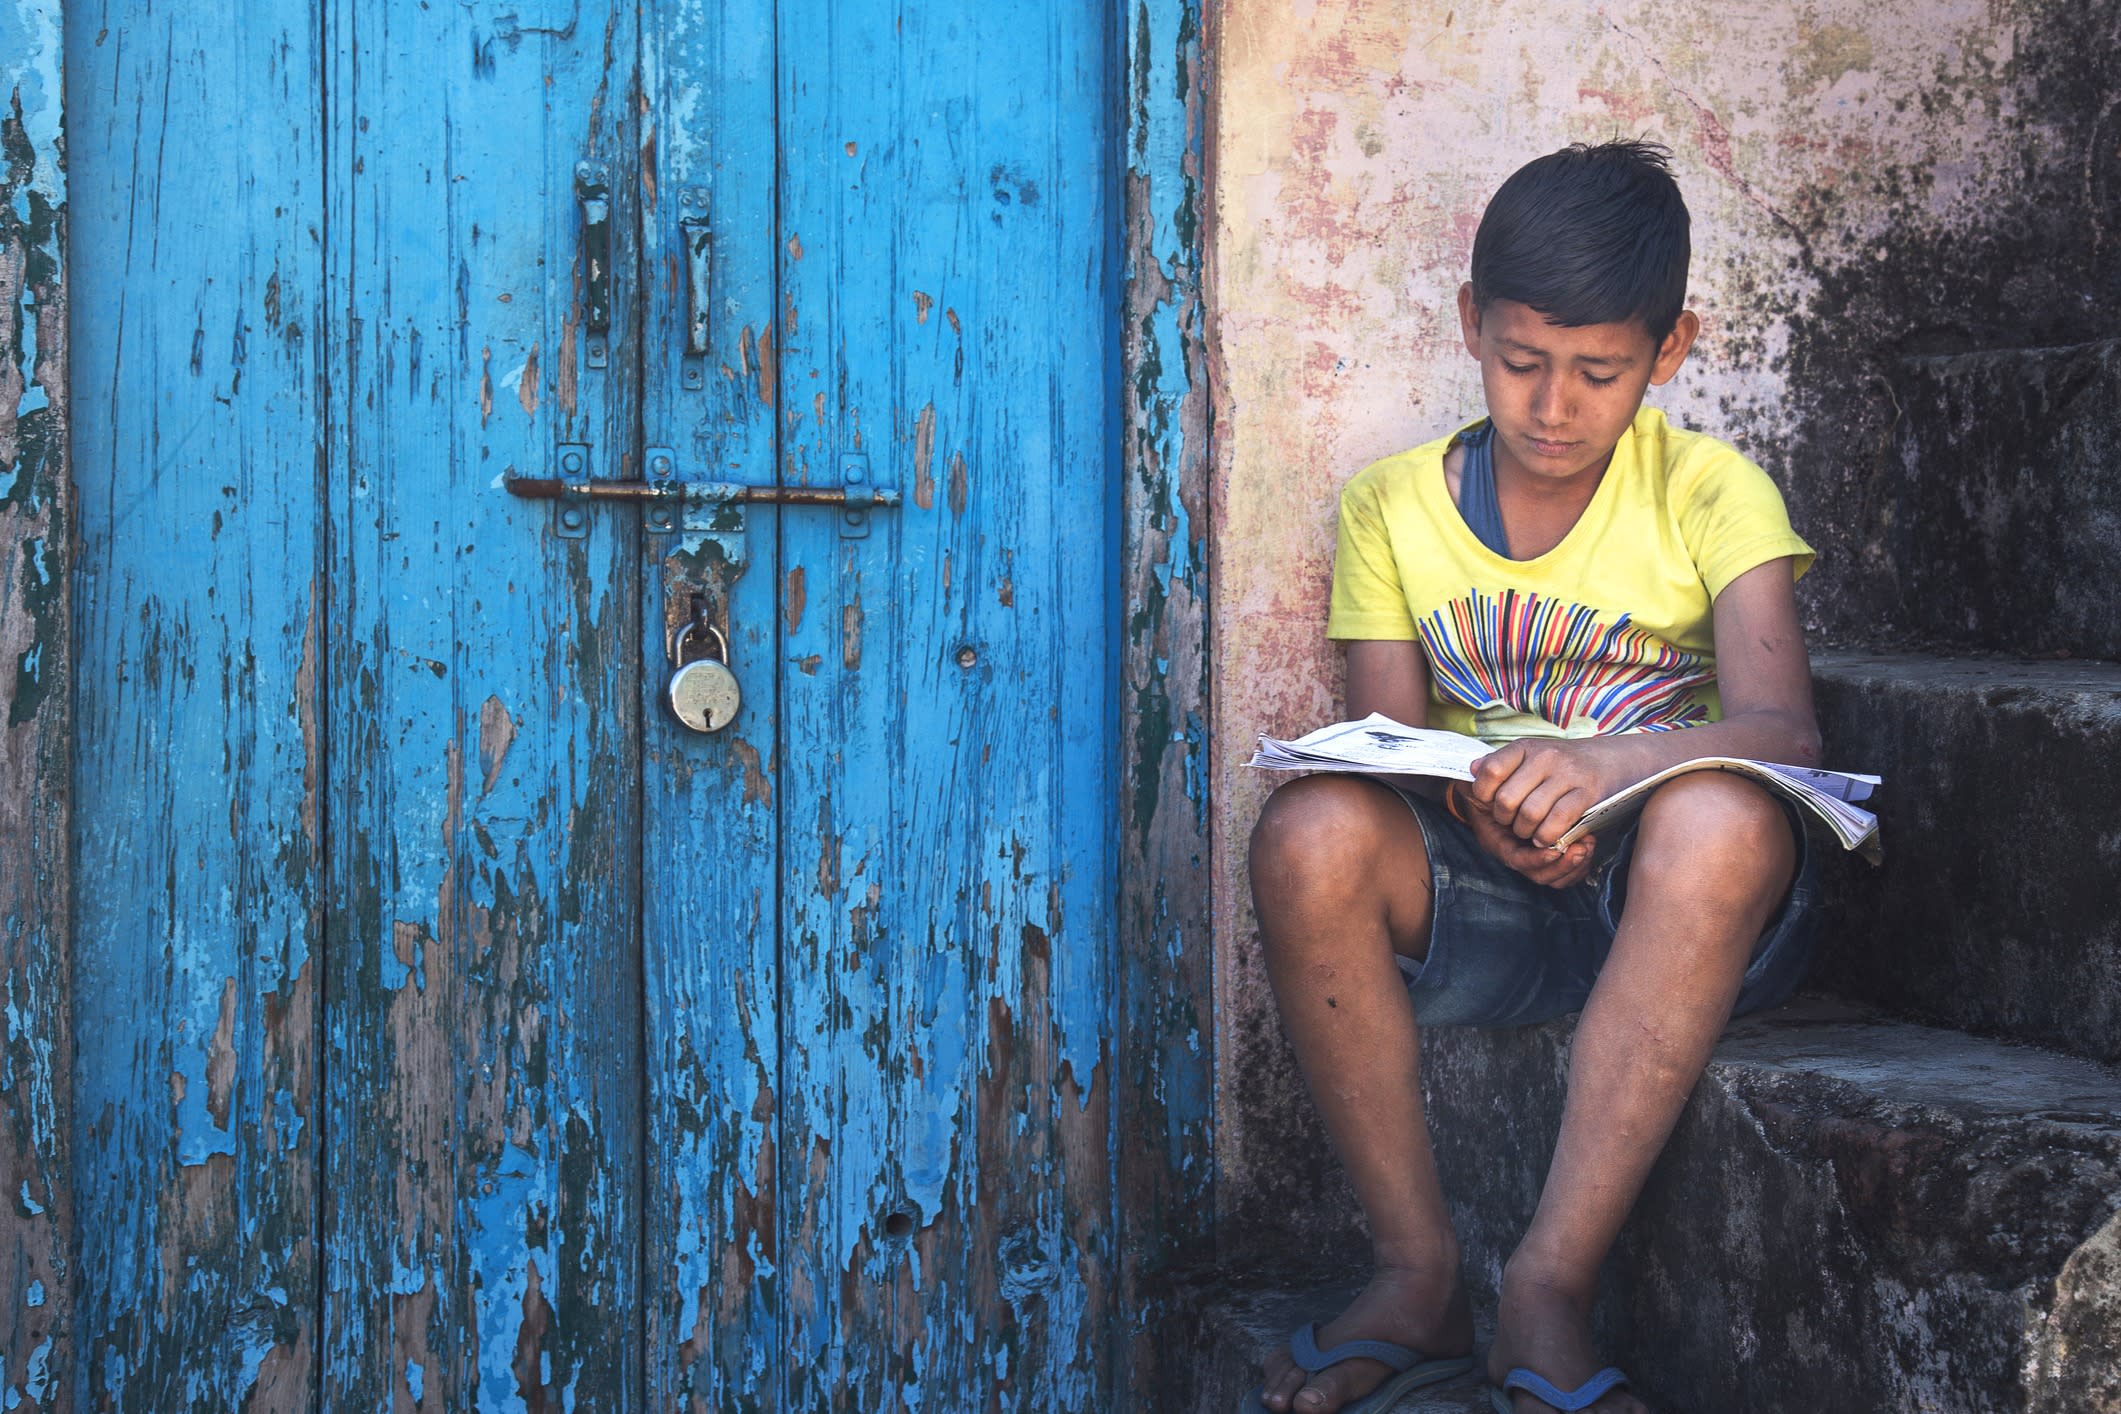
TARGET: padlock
(704,694)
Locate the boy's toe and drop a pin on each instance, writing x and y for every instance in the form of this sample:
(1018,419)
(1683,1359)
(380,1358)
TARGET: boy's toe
(1329,1390)
(1281,1387)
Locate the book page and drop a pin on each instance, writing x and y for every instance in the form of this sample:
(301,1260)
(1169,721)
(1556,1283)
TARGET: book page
(1378,745)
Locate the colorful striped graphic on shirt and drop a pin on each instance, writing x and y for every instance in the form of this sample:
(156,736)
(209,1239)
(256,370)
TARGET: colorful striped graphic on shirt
(1558,661)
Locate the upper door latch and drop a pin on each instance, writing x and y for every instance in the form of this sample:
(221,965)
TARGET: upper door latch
(712,508)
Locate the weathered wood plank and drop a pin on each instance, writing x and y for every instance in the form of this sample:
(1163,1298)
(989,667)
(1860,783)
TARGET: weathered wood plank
(1166,1075)
(948,232)
(36,1193)
(483,1056)
(194,209)
(710,875)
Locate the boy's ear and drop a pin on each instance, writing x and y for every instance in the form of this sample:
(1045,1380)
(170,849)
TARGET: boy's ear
(1673,351)
(1469,319)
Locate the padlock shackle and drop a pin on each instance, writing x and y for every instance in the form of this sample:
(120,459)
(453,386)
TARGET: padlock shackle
(677,650)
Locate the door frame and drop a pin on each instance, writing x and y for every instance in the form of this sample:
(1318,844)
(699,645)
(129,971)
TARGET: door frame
(37,1230)
(1163,1031)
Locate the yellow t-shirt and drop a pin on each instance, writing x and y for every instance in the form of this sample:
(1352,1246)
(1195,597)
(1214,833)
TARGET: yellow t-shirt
(1609,631)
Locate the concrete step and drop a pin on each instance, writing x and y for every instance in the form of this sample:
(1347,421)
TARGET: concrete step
(1994,521)
(1998,907)
(1855,1214)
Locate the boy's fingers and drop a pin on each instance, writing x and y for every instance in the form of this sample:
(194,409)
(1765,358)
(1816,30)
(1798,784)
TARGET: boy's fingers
(1573,877)
(1511,794)
(1537,809)
(1573,864)
(1529,859)
(1491,770)
(1562,815)
(1558,869)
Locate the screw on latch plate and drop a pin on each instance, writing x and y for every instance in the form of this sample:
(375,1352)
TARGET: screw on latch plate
(661,517)
(854,475)
(570,519)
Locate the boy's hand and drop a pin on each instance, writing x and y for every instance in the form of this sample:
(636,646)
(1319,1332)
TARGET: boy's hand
(1536,790)
(1526,796)
(1555,868)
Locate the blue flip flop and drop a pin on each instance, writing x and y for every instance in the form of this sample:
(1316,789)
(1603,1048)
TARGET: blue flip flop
(1411,1370)
(1539,1387)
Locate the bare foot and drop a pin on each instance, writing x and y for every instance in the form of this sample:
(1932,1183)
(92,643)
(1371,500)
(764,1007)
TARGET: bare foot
(1417,1308)
(1548,1330)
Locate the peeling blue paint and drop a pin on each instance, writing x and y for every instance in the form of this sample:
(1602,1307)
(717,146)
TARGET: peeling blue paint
(37,1381)
(290,1121)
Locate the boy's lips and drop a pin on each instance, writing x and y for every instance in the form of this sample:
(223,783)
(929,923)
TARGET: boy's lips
(1550,449)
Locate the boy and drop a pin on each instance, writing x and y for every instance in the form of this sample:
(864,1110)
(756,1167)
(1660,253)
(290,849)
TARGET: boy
(1600,595)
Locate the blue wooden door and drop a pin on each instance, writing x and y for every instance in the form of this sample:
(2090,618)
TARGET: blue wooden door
(471,1035)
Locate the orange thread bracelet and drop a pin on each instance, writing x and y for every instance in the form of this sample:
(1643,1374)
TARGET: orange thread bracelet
(1450,803)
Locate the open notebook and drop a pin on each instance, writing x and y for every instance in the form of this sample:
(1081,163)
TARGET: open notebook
(1379,746)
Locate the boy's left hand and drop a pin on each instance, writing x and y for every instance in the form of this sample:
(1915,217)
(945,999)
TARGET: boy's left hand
(1537,789)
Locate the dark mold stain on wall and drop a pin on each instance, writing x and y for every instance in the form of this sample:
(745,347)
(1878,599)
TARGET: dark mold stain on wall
(1951,443)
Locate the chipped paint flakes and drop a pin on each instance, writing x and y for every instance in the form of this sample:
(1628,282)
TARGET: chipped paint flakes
(497,731)
(851,635)
(924,457)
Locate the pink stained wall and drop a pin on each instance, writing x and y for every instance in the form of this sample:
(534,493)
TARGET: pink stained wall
(1353,148)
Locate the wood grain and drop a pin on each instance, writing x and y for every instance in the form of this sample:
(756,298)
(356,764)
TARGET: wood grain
(483,1057)
(197,323)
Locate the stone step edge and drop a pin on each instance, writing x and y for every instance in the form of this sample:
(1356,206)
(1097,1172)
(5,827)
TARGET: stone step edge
(1998,907)
(2089,689)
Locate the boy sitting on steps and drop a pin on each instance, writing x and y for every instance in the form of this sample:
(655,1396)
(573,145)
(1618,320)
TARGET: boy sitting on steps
(1600,595)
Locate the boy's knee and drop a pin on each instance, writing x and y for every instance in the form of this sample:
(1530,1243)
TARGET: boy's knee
(1315,823)
(1716,836)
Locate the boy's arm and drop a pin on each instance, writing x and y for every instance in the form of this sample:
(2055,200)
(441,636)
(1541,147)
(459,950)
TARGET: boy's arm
(1539,789)
(1388,676)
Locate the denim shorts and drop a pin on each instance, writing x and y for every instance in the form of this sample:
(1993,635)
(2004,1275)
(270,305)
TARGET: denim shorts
(1504,951)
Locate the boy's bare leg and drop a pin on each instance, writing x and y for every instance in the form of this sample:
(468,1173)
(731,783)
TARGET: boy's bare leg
(1713,859)
(1340,880)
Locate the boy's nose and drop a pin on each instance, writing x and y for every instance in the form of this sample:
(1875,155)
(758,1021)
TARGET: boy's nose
(1549,406)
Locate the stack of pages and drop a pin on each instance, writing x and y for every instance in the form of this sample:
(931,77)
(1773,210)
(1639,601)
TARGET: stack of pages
(1379,746)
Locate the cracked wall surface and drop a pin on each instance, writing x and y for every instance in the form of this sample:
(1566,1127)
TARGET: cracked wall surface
(1872,185)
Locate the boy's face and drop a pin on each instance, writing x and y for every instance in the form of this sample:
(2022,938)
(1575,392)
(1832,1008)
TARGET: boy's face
(1561,397)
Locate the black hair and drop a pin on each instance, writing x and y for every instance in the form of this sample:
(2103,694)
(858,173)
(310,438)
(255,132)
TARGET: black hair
(1588,235)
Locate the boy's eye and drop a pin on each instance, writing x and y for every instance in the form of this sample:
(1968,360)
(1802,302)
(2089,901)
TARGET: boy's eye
(1520,367)
(1596,382)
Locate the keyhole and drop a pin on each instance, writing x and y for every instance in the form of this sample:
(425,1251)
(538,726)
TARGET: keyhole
(967,656)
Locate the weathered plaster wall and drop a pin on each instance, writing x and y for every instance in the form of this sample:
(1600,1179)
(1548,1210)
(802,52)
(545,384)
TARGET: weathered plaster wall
(1873,183)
